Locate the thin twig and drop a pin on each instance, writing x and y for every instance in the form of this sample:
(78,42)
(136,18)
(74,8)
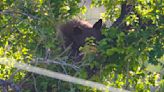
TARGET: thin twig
(34,81)
(41,60)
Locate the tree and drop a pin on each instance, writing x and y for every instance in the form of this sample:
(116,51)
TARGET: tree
(130,55)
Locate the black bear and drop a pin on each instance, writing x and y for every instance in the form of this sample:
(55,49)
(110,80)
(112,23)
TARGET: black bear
(76,31)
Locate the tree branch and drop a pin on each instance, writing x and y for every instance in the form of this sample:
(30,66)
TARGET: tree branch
(125,10)
(59,76)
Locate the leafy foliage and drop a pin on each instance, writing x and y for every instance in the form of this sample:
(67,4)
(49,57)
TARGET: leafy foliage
(128,48)
(130,55)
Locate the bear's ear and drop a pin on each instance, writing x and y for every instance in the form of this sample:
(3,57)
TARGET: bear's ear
(98,24)
(77,30)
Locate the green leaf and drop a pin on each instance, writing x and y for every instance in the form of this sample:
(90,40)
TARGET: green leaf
(154,68)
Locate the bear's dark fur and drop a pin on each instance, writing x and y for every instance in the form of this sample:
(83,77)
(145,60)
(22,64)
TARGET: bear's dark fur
(76,31)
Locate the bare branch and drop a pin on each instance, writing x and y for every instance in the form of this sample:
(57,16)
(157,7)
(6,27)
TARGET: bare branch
(62,63)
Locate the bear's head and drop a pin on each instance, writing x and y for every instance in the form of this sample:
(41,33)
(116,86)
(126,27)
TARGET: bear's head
(81,33)
(76,31)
